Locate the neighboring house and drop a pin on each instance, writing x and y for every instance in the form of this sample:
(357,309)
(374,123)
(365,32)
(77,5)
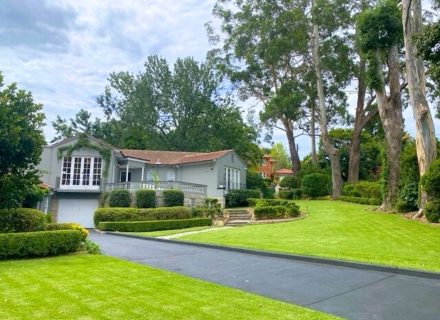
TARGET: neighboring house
(282,173)
(267,168)
(81,168)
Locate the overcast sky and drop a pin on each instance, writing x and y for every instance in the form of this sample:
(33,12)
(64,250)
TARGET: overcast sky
(64,50)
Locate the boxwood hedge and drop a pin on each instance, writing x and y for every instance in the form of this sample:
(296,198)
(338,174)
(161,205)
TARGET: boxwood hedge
(276,212)
(173,198)
(68,226)
(143,226)
(21,220)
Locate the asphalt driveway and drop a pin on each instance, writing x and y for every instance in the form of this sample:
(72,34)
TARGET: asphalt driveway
(343,291)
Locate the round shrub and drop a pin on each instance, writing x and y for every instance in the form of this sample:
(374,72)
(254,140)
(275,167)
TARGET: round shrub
(21,220)
(315,185)
(239,198)
(173,198)
(290,182)
(431,180)
(294,194)
(145,199)
(432,211)
(68,226)
(119,198)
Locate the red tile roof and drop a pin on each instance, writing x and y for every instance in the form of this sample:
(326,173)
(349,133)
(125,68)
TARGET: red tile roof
(284,171)
(173,157)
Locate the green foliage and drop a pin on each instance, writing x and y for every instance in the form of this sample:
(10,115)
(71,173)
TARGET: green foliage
(254,181)
(363,189)
(211,208)
(38,244)
(431,180)
(173,198)
(360,200)
(293,194)
(145,198)
(21,141)
(238,198)
(68,226)
(315,185)
(144,226)
(279,153)
(290,182)
(432,211)
(119,198)
(21,220)
(254,202)
(138,214)
(91,247)
(409,179)
(34,195)
(276,212)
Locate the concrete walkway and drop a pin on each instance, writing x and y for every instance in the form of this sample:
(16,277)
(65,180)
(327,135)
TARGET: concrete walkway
(347,292)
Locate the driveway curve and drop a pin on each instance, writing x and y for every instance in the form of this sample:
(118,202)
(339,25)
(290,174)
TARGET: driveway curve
(347,292)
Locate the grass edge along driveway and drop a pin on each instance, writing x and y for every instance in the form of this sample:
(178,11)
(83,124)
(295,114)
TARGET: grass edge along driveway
(101,287)
(341,230)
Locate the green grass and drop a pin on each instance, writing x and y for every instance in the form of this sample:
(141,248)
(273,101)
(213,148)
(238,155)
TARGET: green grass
(99,287)
(161,233)
(341,230)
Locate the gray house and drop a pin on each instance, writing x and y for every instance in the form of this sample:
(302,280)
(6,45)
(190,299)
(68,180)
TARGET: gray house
(79,169)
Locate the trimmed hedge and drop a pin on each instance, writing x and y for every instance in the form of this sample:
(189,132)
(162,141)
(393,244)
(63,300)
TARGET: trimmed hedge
(239,198)
(432,211)
(21,220)
(68,226)
(293,194)
(363,189)
(173,198)
(140,214)
(144,226)
(145,198)
(276,212)
(290,182)
(360,200)
(269,202)
(119,199)
(38,244)
(316,185)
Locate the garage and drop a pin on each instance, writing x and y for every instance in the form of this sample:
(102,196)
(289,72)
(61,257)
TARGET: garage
(77,208)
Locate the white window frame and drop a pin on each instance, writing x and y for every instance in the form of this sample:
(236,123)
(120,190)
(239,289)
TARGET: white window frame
(171,176)
(81,185)
(232,178)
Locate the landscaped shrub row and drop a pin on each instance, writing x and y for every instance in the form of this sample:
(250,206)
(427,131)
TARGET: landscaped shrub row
(119,199)
(40,243)
(239,198)
(21,220)
(293,194)
(144,226)
(173,198)
(370,201)
(68,226)
(145,198)
(363,189)
(276,212)
(431,184)
(139,214)
(269,202)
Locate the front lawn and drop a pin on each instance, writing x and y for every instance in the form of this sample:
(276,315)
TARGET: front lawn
(100,287)
(341,230)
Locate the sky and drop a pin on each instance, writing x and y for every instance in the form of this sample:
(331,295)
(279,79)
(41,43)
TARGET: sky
(64,50)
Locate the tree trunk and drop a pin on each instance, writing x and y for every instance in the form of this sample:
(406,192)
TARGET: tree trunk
(390,111)
(328,146)
(355,146)
(313,136)
(426,143)
(296,162)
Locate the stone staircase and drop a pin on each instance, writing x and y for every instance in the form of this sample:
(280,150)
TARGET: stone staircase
(238,217)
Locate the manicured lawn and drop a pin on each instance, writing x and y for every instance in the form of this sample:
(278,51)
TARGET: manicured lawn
(100,287)
(161,233)
(341,230)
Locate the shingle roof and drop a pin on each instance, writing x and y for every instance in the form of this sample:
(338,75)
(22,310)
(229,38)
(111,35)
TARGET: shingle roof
(284,171)
(173,157)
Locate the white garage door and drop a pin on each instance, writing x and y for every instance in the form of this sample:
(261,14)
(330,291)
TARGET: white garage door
(77,210)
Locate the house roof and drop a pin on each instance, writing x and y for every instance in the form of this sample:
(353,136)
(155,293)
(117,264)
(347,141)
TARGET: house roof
(173,157)
(284,171)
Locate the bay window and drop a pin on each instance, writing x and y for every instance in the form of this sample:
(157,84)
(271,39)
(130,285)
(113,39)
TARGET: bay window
(81,173)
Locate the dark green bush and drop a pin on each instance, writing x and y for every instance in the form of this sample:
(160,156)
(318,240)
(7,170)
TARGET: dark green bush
(363,189)
(38,244)
(360,200)
(144,226)
(211,208)
(290,182)
(145,199)
(68,226)
(238,198)
(432,211)
(408,195)
(431,180)
(140,214)
(408,198)
(119,199)
(293,194)
(91,247)
(21,220)
(268,202)
(173,198)
(276,212)
(315,185)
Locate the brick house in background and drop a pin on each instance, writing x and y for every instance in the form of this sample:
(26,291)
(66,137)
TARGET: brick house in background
(267,168)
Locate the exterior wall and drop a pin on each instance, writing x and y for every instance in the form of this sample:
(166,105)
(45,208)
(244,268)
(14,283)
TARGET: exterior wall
(230,162)
(200,173)
(267,168)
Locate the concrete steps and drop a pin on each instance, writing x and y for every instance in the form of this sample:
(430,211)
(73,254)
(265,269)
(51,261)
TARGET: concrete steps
(238,217)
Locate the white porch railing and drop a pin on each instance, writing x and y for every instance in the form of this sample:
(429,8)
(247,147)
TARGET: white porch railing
(158,185)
